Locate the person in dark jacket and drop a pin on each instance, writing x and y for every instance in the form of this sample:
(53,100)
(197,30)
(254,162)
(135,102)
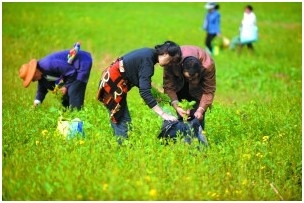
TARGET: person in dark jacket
(56,70)
(135,68)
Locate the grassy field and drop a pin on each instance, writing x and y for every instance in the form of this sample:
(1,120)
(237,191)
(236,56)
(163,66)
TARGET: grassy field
(254,129)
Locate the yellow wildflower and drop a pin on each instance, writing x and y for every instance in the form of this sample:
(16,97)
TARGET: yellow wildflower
(259,155)
(244,182)
(44,132)
(153,193)
(265,138)
(147,178)
(79,196)
(105,186)
(81,142)
(246,156)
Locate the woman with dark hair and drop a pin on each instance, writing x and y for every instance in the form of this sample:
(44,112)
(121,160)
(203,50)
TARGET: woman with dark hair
(194,80)
(135,68)
(248,29)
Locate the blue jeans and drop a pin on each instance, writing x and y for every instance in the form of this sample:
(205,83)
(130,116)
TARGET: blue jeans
(121,128)
(74,98)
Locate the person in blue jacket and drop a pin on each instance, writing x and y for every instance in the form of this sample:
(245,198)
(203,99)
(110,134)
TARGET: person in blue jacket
(57,69)
(212,23)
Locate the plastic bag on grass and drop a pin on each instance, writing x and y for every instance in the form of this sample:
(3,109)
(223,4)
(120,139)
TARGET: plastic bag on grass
(70,128)
(188,130)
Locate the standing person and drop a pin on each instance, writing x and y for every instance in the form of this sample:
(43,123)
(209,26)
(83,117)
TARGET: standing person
(135,68)
(70,69)
(212,24)
(248,28)
(194,80)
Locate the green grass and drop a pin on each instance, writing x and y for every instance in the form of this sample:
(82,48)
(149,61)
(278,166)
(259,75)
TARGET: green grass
(254,129)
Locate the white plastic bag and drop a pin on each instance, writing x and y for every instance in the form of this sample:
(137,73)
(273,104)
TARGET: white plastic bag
(69,128)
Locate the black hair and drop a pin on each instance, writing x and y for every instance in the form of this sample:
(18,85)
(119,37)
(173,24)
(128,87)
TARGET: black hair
(171,48)
(217,7)
(249,7)
(191,65)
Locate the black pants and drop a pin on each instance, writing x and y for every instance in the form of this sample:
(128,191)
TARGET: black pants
(184,94)
(249,46)
(209,39)
(74,98)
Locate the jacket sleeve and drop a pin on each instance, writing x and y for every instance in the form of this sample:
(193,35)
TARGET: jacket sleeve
(41,91)
(209,87)
(209,79)
(144,84)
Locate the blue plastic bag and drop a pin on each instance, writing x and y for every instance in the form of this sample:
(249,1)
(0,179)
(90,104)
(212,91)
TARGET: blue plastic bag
(70,128)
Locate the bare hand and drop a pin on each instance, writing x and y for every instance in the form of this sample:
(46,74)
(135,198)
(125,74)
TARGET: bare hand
(169,117)
(182,112)
(199,114)
(36,103)
(64,90)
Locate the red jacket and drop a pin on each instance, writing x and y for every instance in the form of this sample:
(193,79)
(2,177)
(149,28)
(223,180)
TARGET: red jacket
(173,80)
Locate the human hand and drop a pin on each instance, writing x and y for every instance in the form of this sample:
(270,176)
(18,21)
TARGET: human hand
(36,103)
(182,112)
(199,113)
(168,117)
(64,90)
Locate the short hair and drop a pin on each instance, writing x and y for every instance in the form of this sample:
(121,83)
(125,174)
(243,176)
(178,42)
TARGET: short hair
(249,7)
(192,65)
(171,48)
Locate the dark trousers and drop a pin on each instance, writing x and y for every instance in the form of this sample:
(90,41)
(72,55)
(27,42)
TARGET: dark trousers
(208,41)
(249,46)
(184,94)
(74,98)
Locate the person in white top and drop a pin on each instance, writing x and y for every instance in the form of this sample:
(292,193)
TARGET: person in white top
(248,29)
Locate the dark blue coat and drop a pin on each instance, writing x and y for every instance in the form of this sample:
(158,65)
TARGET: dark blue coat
(56,65)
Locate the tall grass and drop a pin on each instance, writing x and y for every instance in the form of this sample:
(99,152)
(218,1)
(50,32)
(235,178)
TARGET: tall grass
(254,129)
